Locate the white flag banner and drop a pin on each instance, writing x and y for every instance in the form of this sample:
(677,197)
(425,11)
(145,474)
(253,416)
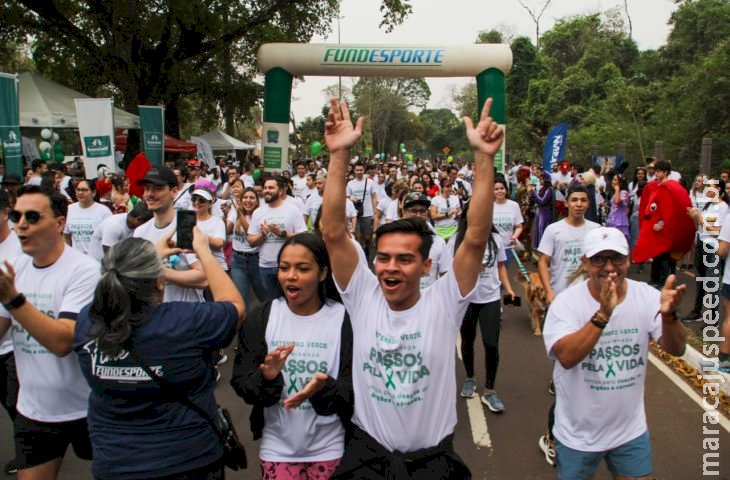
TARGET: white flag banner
(205,152)
(96,129)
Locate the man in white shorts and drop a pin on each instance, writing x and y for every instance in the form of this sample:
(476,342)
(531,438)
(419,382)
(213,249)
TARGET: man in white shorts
(598,332)
(404,337)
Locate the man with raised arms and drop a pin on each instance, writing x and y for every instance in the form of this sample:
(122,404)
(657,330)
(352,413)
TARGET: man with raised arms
(403,352)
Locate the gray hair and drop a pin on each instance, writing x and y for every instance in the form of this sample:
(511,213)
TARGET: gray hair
(126,293)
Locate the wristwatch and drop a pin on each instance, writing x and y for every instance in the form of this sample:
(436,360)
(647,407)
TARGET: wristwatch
(16,302)
(598,320)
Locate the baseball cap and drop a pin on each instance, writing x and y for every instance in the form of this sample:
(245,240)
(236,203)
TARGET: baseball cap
(201,192)
(11,179)
(604,238)
(416,198)
(159,175)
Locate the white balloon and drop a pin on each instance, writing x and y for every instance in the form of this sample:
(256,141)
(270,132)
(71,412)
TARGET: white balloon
(46,134)
(55,137)
(44,146)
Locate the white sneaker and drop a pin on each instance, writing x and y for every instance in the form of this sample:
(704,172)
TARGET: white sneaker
(548,448)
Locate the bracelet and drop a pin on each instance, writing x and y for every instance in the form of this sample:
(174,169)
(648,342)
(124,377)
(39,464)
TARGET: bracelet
(599,323)
(670,317)
(16,302)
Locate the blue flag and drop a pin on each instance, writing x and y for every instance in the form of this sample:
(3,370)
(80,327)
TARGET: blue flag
(554,151)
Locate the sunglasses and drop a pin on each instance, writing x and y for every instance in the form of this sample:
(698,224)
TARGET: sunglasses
(197,199)
(31,216)
(600,260)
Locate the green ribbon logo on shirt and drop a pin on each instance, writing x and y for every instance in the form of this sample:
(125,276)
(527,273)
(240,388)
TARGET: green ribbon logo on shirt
(292,384)
(389,378)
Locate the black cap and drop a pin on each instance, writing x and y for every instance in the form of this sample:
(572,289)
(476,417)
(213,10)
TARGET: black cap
(11,179)
(159,175)
(416,198)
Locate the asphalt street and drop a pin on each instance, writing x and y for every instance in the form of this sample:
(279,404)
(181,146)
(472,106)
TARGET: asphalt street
(505,446)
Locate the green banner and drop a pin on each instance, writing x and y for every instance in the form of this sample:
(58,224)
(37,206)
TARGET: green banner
(99,146)
(10,139)
(152,123)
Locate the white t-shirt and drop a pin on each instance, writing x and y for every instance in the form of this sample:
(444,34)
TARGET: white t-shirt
(443,205)
(183,200)
(108,233)
(81,223)
(299,188)
(383,203)
(725,237)
(505,218)
(489,286)
(52,388)
(379,189)
(300,434)
(559,177)
(354,191)
(403,361)
(173,292)
(600,401)
(564,245)
(240,238)
(391,212)
(287,217)
(248,181)
(295,201)
(9,249)
(440,260)
(311,206)
(714,214)
(215,227)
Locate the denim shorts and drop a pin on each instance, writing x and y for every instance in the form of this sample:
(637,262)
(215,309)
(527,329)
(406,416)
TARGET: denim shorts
(632,459)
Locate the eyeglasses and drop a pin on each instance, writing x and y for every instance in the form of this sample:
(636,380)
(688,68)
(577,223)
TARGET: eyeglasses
(600,260)
(83,189)
(418,211)
(31,216)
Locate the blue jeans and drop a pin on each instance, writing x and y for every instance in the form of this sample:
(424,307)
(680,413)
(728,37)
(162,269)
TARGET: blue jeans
(270,281)
(245,274)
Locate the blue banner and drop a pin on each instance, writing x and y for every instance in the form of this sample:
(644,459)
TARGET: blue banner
(554,151)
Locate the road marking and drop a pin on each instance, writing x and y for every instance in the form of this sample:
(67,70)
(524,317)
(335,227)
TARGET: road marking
(724,422)
(477,419)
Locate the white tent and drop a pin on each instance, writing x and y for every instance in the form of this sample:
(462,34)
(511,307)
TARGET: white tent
(44,103)
(221,141)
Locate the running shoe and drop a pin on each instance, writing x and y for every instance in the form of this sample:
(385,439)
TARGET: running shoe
(551,388)
(548,448)
(492,401)
(11,468)
(469,386)
(692,317)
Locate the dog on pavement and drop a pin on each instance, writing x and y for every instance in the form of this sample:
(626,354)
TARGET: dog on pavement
(536,301)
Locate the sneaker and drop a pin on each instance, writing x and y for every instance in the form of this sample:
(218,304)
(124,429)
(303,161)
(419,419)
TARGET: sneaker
(223,358)
(551,388)
(11,468)
(492,401)
(469,387)
(692,317)
(548,448)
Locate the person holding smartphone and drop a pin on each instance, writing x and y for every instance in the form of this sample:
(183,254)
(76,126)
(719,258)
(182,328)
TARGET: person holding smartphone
(484,310)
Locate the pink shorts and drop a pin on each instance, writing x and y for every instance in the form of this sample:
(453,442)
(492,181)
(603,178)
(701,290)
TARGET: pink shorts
(298,471)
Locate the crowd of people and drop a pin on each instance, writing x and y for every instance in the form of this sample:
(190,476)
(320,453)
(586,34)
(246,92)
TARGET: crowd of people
(346,283)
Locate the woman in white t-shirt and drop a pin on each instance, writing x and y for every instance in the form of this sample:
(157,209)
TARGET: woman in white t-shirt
(486,311)
(83,217)
(293,366)
(445,211)
(506,217)
(212,225)
(245,261)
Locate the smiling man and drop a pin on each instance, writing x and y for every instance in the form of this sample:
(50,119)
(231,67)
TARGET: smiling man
(403,349)
(42,292)
(598,332)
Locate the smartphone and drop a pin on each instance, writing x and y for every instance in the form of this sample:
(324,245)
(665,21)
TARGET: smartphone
(507,300)
(185,222)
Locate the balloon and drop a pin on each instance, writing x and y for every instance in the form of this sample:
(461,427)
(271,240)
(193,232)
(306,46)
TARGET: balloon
(402,150)
(450,159)
(46,155)
(409,156)
(368,150)
(59,156)
(410,164)
(46,134)
(55,137)
(44,146)
(58,148)
(315,147)
(377,156)
(402,146)
(382,154)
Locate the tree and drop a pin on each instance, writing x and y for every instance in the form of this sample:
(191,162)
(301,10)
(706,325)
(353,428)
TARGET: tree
(536,12)
(441,129)
(161,52)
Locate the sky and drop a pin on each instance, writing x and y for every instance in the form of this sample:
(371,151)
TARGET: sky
(454,22)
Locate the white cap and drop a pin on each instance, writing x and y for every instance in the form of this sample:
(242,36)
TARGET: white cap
(201,192)
(604,238)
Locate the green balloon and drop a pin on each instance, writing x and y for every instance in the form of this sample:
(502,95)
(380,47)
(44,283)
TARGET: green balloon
(45,155)
(402,146)
(256,174)
(58,148)
(58,156)
(315,147)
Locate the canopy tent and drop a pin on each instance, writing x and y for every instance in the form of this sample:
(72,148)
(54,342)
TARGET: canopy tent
(222,141)
(44,103)
(172,144)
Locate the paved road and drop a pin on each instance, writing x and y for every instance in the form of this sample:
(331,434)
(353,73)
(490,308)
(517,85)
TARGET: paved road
(675,420)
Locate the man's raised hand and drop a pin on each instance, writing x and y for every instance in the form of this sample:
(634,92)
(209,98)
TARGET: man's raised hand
(339,133)
(487,136)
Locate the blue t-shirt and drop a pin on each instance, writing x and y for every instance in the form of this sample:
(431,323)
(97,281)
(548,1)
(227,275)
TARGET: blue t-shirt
(135,432)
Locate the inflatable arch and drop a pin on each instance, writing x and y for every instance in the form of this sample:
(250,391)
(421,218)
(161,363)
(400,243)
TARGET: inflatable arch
(280,62)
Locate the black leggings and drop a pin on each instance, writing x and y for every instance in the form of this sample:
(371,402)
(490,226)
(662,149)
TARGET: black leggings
(489,317)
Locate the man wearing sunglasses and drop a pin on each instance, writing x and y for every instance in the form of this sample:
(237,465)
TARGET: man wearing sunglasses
(42,292)
(416,205)
(598,331)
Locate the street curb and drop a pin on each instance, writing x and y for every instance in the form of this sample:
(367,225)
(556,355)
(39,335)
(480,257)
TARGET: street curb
(695,359)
